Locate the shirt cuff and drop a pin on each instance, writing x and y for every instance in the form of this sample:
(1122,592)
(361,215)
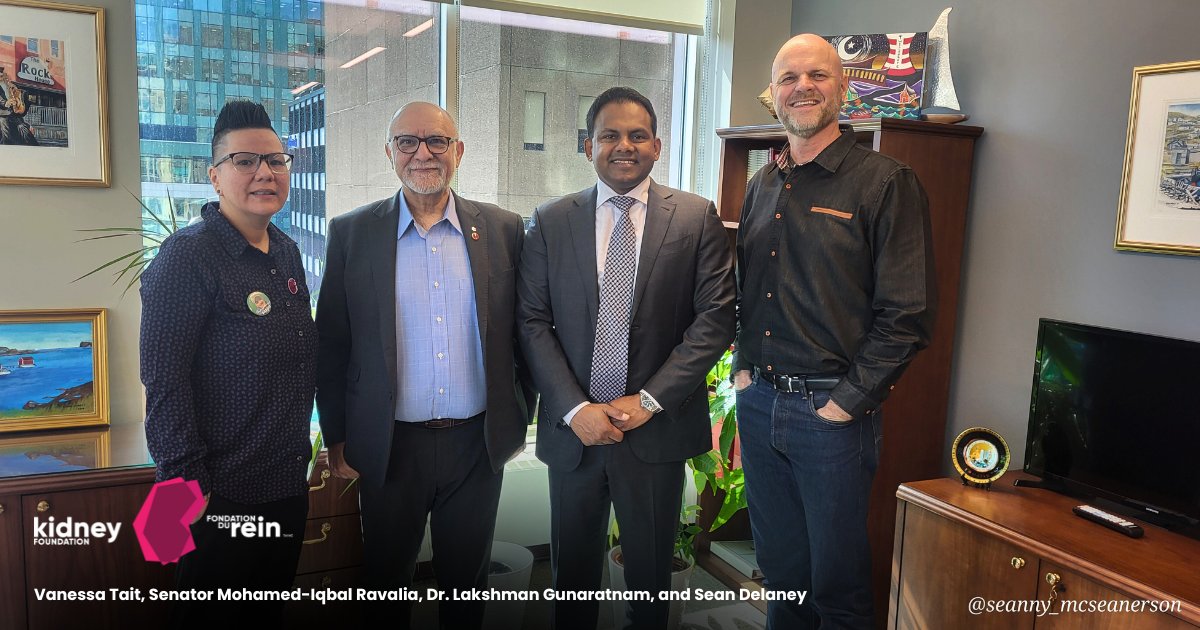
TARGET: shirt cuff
(574,410)
(851,400)
(652,399)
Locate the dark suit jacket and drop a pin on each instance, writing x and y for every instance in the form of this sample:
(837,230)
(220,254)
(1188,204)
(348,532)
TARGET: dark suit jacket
(683,319)
(356,320)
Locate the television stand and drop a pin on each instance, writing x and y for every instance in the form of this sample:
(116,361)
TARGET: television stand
(1040,484)
(955,544)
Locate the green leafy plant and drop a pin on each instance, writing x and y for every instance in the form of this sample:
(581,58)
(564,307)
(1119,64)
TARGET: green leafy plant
(131,264)
(685,536)
(715,469)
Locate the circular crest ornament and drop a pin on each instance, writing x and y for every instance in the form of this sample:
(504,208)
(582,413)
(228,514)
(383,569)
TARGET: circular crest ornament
(980,455)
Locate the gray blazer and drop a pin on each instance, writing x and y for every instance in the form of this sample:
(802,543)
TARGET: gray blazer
(683,319)
(356,320)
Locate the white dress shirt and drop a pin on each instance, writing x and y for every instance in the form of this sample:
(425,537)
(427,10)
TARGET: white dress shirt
(606,218)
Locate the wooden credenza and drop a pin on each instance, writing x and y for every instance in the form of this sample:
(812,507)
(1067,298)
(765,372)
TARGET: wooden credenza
(106,477)
(914,425)
(955,544)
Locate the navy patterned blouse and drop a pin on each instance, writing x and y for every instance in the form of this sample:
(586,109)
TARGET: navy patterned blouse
(228,351)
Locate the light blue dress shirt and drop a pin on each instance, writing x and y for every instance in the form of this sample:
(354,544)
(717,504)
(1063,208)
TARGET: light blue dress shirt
(438,352)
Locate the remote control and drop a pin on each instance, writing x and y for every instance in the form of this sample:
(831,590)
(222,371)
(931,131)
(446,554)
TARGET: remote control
(1095,515)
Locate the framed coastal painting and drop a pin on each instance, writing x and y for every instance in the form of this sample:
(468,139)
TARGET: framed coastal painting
(53,369)
(53,95)
(1159,206)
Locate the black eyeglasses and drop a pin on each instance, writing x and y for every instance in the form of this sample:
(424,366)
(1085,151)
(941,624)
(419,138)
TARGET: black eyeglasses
(409,144)
(246,162)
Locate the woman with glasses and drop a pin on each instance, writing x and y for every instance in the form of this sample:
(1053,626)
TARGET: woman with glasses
(228,350)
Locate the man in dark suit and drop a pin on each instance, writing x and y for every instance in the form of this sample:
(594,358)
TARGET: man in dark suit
(417,386)
(626,300)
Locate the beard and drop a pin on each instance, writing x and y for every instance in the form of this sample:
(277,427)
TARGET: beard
(425,183)
(813,122)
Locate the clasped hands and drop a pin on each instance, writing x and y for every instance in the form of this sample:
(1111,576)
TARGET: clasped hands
(607,423)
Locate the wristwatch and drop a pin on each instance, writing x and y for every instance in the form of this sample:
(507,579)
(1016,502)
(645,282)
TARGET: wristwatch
(648,403)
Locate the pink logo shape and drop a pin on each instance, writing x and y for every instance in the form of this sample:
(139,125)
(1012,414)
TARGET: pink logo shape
(163,524)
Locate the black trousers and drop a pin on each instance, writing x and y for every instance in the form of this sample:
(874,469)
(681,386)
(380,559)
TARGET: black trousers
(222,560)
(647,499)
(443,476)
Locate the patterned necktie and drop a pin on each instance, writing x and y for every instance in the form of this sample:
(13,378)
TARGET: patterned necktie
(610,356)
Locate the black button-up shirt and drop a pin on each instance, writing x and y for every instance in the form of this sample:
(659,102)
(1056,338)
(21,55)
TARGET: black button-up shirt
(229,393)
(835,271)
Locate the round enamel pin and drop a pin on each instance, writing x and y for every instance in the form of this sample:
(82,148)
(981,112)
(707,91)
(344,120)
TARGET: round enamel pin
(258,303)
(474,233)
(292,286)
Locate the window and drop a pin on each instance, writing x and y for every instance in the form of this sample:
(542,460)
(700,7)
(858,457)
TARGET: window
(540,73)
(551,70)
(585,104)
(212,37)
(534,125)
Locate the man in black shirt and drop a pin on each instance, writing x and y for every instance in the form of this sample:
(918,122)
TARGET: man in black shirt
(835,278)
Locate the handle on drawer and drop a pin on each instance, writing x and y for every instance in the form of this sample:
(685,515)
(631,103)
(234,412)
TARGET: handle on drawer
(324,478)
(43,506)
(1055,582)
(325,528)
(1017,562)
(1,508)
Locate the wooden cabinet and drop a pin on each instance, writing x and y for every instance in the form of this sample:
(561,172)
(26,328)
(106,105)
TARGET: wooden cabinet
(1014,546)
(915,413)
(12,574)
(112,491)
(94,497)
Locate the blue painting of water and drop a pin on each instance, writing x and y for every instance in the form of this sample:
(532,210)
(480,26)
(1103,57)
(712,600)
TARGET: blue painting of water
(54,370)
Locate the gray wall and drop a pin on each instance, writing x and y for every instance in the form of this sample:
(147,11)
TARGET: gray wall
(39,226)
(1050,83)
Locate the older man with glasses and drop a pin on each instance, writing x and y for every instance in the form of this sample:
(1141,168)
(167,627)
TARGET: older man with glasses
(417,381)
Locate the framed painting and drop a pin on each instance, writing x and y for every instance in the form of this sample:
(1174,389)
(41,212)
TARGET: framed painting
(53,95)
(885,74)
(53,369)
(53,452)
(1159,206)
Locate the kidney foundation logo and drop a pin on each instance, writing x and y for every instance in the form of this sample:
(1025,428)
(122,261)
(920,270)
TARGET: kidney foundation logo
(163,524)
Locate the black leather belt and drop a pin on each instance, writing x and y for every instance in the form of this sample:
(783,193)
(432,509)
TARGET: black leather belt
(798,383)
(448,423)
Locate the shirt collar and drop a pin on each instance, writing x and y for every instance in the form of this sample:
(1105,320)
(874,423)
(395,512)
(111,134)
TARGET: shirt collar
(641,192)
(232,240)
(406,218)
(830,158)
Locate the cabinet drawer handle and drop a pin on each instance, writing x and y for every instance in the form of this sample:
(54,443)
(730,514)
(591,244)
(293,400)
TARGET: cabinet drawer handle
(43,506)
(1055,582)
(325,528)
(324,478)
(1018,562)
(1,508)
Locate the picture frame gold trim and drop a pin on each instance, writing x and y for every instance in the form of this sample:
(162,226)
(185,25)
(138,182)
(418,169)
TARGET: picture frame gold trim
(96,150)
(99,414)
(1142,167)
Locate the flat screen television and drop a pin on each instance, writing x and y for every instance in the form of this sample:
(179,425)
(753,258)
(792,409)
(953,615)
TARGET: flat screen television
(1115,415)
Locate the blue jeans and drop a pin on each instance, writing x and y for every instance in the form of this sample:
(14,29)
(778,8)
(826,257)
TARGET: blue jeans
(808,481)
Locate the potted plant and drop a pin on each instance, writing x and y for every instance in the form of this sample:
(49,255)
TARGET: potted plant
(721,468)
(683,563)
(149,238)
